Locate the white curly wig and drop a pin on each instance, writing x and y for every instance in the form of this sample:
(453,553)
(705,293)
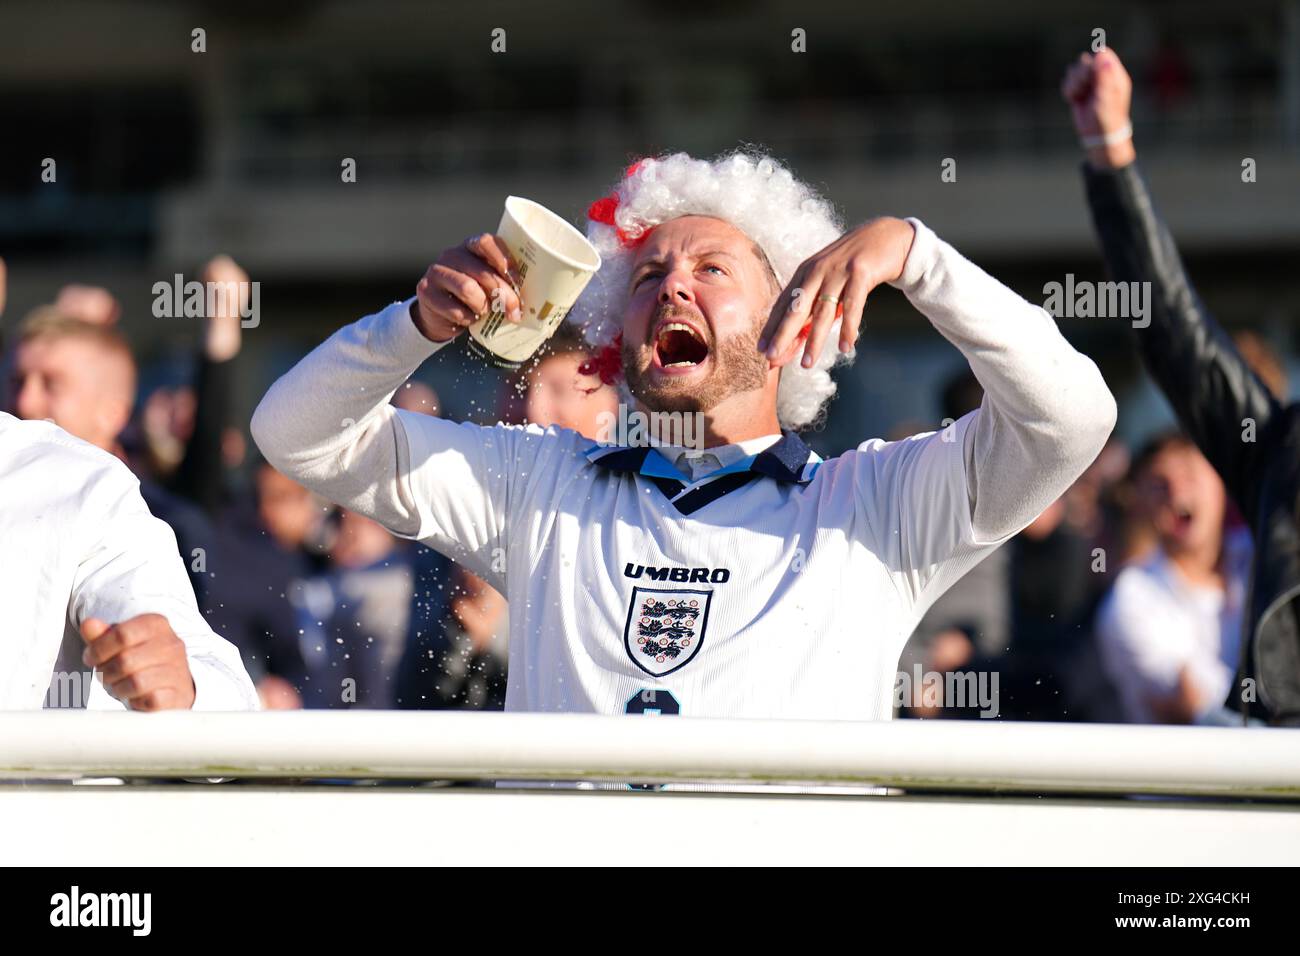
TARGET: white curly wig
(758,195)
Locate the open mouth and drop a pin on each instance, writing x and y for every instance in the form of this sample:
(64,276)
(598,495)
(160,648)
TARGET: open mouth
(1182,518)
(679,346)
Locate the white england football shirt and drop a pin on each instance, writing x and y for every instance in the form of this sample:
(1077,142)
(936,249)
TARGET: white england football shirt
(779,586)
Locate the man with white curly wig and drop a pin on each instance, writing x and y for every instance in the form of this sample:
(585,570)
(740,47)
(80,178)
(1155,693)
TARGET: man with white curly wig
(747,577)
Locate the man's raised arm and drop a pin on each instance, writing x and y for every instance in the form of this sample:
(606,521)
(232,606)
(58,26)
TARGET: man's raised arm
(1046,412)
(327,423)
(1212,389)
(932,504)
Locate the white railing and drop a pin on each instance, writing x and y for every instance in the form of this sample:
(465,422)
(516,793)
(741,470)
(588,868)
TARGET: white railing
(1028,793)
(914,755)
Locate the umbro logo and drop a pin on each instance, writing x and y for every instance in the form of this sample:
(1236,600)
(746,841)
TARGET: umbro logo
(680,575)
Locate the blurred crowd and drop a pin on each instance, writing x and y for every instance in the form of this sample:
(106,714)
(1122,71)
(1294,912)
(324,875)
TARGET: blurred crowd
(1121,603)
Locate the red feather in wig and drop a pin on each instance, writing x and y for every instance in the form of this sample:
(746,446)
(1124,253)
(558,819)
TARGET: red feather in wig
(607,363)
(603,209)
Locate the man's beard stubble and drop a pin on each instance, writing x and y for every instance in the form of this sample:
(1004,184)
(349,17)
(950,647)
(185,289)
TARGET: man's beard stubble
(738,366)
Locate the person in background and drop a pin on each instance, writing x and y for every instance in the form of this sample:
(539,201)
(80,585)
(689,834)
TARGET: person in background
(1054,589)
(187,432)
(1170,627)
(272,546)
(82,377)
(1247,433)
(418,397)
(1023,611)
(211,438)
(98,612)
(352,619)
(560,388)
(73,366)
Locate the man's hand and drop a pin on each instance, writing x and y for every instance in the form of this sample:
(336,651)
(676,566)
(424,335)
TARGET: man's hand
(1099,92)
(222,337)
(276,693)
(831,283)
(89,303)
(462,286)
(142,662)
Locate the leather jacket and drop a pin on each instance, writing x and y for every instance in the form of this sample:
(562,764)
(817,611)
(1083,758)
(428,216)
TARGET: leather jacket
(1214,394)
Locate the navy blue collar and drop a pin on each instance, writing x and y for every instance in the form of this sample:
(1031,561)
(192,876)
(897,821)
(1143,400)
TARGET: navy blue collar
(787,459)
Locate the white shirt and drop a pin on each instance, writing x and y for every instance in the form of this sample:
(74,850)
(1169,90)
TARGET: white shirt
(1153,623)
(777,586)
(78,541)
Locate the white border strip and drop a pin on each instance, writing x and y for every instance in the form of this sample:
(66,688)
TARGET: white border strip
(186,825)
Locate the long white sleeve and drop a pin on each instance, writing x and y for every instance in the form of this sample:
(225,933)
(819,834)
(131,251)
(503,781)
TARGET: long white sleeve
(932,506)
(131,568)
(1046,412)
(327,424)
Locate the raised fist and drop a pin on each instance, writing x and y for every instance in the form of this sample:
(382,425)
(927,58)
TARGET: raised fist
(1099,92)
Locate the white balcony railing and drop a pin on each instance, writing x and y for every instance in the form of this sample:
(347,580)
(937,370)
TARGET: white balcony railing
(972,792)
(952,755)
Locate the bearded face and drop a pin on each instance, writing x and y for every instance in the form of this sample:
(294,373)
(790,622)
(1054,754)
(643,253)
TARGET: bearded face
(682,367)
(699,296)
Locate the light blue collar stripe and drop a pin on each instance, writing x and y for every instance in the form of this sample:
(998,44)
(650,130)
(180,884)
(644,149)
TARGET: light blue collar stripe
(735,466)
(657,466)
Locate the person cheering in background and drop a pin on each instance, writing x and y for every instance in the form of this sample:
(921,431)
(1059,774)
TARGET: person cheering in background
(72,365)
(1250,437)
(1170,627)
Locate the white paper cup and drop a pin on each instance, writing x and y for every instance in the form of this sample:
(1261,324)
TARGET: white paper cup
(555,263)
